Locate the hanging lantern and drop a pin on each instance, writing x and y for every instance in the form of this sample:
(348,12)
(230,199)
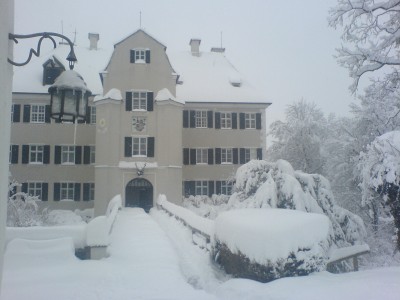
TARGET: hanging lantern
(69,97)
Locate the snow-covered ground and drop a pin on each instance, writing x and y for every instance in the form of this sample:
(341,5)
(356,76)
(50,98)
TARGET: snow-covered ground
(152,257)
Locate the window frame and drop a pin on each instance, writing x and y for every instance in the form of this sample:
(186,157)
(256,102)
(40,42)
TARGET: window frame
(37,153)
(141,147)
(39,114)
(202,186)
(226,187)
(70,154)
(226,156)
(35,189)
(201,119)
(92,115)
(140,55)
(92,154)
(67,187)
(201,156)
(226,120)
(250,120)
(141,103)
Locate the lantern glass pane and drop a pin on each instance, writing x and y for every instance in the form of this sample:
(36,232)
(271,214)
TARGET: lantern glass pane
(56,103)
(70,102)
(82,105)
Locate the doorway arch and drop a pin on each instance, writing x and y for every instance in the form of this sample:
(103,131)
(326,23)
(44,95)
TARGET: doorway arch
(139,193)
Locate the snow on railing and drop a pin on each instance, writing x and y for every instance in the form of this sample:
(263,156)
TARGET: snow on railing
(199,226)
(338,255)
(98,229)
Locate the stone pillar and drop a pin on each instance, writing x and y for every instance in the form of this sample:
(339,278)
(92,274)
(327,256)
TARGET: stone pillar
(6,73)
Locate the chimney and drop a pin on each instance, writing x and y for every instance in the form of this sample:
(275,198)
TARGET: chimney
(218,50)
(93,38)
(195,47)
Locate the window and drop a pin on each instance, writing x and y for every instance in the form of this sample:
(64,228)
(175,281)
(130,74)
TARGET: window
(139,146)
(38,113)
(226,155)
(67,191)
(35,189)
(140,54)
(201,119)
(13,154)
(250,120)
(202,156)
(92,114)
(36,154)
(201,188)
(249,154)
(226,120)
(226,188)
(12,113)
(139,100)
(92,154)
(68,154)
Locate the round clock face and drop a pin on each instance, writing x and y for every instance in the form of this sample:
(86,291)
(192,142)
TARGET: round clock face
(102,123)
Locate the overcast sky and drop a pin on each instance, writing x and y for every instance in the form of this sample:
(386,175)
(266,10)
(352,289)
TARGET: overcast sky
(285,48)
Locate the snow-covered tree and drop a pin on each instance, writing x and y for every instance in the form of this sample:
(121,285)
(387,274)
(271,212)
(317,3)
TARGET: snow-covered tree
(379,170)
(299,139)
(371,33)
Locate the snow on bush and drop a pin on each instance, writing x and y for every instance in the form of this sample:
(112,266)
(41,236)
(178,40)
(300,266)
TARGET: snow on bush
(63,217)
(268,244)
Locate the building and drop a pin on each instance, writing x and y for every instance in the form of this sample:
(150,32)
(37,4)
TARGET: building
(172,123)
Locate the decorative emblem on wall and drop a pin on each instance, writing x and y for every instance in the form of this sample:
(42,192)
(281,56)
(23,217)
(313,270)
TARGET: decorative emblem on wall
(138,124)
(140,170)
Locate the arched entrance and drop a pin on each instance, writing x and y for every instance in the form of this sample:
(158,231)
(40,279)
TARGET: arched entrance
(139,193)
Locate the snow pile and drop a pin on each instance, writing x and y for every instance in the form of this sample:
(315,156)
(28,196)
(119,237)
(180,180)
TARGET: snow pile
(70,79)
(113,94)
(165,95)
(268,244)
(63,217)
(98,229)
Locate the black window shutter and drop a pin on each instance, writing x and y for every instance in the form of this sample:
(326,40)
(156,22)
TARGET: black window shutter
(78,155)
(14,154)
(46,154)
(241,121)
(147,56)
(87,121)
(45,191)
(258,120)
(242,156)
(132,56)
(189,187)
(150,101)
(211,156)
(235,156)
(86,189)
(128,101)
(25,154)
(77,191)
(192,119)
(56,191)
(234,120)
(192,156)
(210,188)
(217,120)
(185,119)
(86,155)
(218,187)
(185,156)
(24,187)
(210,119)
(128,146)
(47,114)
(150,146)
(218,156)
(259,153)
(57,155)
(16,113)
(27,113)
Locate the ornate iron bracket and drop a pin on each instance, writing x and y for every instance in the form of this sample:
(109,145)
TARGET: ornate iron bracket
(43,35)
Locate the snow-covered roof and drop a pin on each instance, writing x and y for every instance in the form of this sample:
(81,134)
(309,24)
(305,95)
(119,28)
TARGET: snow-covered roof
(29,78)
(165,95)
(210,77)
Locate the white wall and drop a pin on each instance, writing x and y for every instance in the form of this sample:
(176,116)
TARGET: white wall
(6,26)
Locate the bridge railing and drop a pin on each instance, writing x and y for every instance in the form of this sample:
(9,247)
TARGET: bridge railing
(202,228)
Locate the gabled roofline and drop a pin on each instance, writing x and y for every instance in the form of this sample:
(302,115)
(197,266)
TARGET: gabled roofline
(140,30)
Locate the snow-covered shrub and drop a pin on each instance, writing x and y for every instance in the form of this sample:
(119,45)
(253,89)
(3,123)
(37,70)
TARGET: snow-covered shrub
(265,245)
(22,210)
(205,206)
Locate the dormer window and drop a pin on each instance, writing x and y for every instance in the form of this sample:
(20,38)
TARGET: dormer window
(140,56)
(52,68)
